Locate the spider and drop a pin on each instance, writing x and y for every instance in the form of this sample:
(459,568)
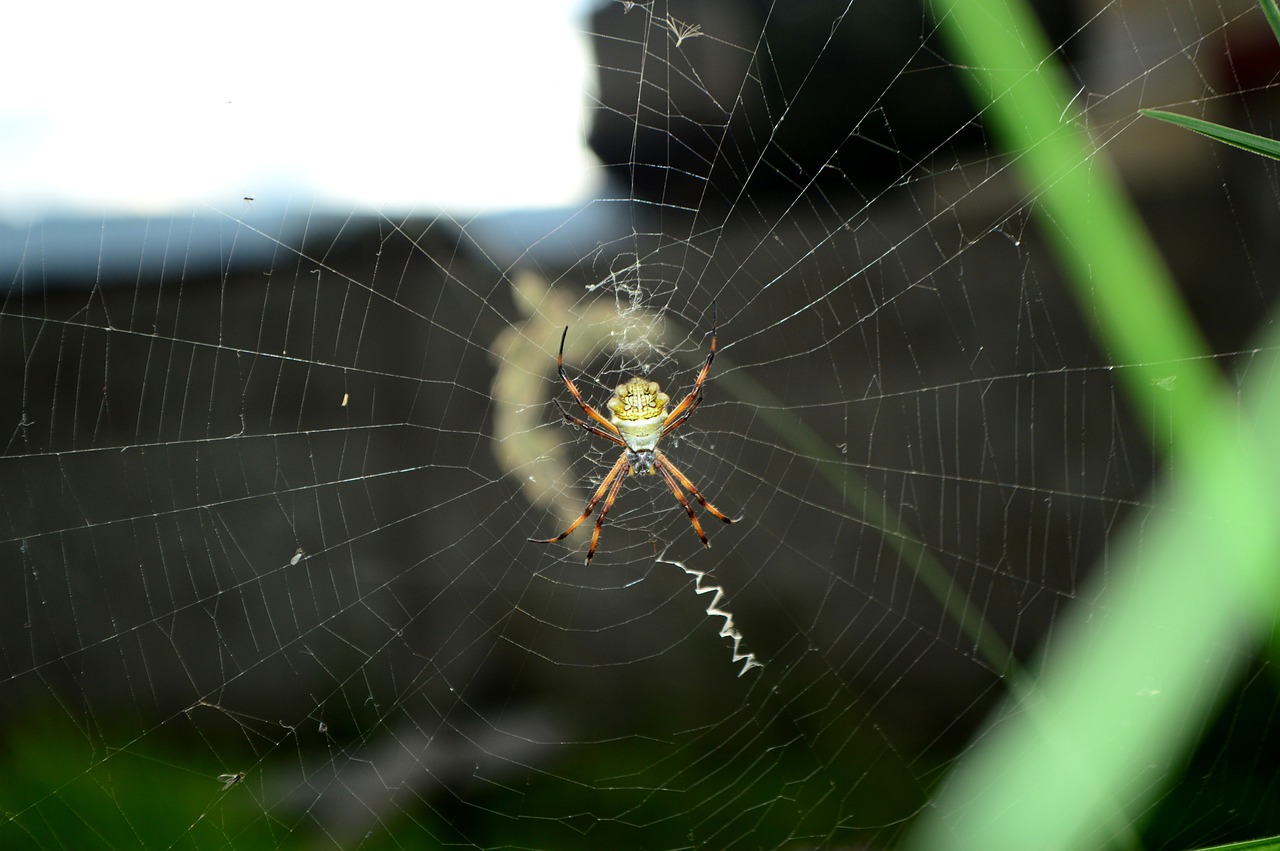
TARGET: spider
(639,421)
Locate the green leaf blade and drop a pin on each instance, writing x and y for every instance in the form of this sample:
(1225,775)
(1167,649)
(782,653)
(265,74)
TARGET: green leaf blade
(1237,138)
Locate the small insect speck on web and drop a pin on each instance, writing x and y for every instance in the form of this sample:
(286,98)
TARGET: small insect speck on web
(229,780)
(680,30)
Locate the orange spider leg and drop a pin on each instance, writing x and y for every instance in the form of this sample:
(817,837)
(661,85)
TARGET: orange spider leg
(664,464)
(604,509)
(614,478)
(689,403)
(688,509)
(586,426)
(568,382)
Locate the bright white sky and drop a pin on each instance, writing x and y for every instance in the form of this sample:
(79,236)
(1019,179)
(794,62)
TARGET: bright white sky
(149,107)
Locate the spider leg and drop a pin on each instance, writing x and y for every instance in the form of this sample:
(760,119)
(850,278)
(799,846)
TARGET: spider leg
(596,430)
(664,465)
(577,397)
(689,403)
(612,477)
(604,509)
(688,509)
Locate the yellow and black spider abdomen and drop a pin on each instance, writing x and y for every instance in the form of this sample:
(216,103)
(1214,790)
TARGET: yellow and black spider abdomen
(639,411)
(636,400)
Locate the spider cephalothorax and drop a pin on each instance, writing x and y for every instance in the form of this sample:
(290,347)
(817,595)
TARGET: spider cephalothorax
(639,420)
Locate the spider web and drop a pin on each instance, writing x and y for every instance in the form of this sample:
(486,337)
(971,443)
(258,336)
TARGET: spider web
(266,511)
